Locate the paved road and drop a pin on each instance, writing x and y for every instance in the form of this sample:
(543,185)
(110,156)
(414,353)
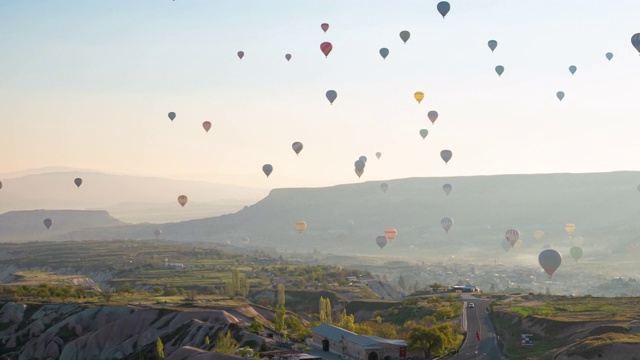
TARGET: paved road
(478,322)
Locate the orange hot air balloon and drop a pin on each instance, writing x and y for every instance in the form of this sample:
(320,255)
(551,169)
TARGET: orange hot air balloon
(182,200)
(391,234)
(300,226)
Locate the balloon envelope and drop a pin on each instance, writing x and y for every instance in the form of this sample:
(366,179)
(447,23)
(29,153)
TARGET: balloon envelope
(576,252)
(433,116)
(390,234)
(635,41)
(240,54)
(506,245)
(384,52)
(446,223)
(499,70)
(287,56)
(424,133)
(172,115)
(332,95)
(609,56)
(446,155)
(419,95)
(384,187)
(492,45)
(538,234)
(381,241)
(326,48)
(359,164)
(560,95)
(550,260)
(206,126)
(267,169)
(512,235)
(300,226)
(359,172)
(447,188)
(297,147)
(572,69)
(77,181)
(363,158)
(47,222)
(569,228)
(324,27)
(182,200)
(378,155)
(405,35)
(443,8)
(1,181)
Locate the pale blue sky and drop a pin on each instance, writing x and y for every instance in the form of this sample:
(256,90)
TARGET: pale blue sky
(88,84)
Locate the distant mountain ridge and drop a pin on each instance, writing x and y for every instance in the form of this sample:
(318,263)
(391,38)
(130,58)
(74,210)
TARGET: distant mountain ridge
(347,218)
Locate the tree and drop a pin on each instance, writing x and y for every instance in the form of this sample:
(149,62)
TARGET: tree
(159,349)
(444,313)
(325,311)
(347,322)
(281,296)
(426,339)
(278,322)
(225,344)
(435,286)
(322,311)
(255,327)
(207,341)
(106,295)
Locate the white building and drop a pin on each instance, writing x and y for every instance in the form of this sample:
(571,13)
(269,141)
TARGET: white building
(357,347)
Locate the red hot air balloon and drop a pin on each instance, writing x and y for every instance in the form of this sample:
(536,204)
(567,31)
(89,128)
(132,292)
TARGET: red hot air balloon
(324,27)
(326,48)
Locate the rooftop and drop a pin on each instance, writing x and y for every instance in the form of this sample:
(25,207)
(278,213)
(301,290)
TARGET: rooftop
(367,342)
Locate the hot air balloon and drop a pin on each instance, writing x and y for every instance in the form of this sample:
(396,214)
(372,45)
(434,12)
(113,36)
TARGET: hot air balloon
(518,244)
(499,70)
(424,133)
(443,8)
(572,69)
(446,155)
(78,182)
(512,235)
(246,240)
(379,154)
(206,126)
(381,241)
(384,187)
(538,234)
(363,159)
(609,56)
(332,95)
(447,188)
(384,52)
(550,260)
(297,147)
(492,45)
(359,164)
(560,95)
(182,200)
(157,233)
(576,253)
(172,116)
(287,56)
(326,48)
(359,172)
(569,228)
(433,116)
(267,169)
(419,95)
(300,226)
(240,54)
(577,241)
(47,222)
(446,223)
(324,27)
(405,35)
(506,245)
(635,41)
(390,234)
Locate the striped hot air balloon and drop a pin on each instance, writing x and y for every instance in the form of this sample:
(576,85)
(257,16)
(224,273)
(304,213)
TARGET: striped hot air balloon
(391,234)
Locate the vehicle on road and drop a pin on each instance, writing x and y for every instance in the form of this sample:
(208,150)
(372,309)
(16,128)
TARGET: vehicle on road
(471,305)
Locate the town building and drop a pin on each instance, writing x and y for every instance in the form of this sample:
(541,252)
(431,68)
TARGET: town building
(352,346)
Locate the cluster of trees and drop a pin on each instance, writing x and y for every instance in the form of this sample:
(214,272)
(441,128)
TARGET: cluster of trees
(238,286)
(46,291)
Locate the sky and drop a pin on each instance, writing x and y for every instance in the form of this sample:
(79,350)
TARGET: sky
(89,84)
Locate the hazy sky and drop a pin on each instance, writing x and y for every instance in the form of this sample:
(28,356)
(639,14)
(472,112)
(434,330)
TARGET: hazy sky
(88,84)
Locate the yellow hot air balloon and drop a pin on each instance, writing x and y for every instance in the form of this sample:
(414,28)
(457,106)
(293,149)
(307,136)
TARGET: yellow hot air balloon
(569,228)
(300,226)
(538,234)
(419,95)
